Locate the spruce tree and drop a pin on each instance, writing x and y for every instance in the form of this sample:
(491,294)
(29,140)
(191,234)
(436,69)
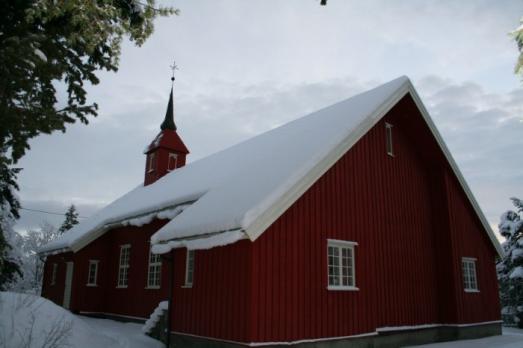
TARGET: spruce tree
(510,267)
(71,219)
(10,263)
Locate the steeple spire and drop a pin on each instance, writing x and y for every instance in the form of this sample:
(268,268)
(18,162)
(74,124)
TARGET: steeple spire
(168,122)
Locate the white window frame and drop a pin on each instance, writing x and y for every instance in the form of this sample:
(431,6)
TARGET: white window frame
(154,270)
(175,156)
(150,167)
(469,273)
(189,268)
(123,267)
(53,273)
(388,139)
(340,246)
(95,263)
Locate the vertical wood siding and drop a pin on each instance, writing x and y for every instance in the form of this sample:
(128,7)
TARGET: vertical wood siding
(55,292)
(135,300)
(218,303)
(408,259)
(469,240)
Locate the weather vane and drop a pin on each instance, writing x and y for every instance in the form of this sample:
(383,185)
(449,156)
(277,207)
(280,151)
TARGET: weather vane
(173,68)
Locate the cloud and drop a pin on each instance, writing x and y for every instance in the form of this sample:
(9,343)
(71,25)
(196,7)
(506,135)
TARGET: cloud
(484,132)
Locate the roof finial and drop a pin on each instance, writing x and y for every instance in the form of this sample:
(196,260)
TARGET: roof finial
(168,122)
(173,68)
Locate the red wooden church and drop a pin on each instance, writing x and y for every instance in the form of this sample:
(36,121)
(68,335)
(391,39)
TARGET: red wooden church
(352,225)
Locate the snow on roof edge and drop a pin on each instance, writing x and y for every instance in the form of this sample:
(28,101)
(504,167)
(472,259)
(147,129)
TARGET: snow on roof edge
(255,228)
(353,112)
(168,212)
(256,223)
(202,242)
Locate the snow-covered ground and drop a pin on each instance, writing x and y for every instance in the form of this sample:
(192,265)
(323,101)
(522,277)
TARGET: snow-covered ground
(32,321)
(128,335)
(511,338)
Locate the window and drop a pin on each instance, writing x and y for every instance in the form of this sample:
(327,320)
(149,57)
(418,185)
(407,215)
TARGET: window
(151,162)
(470,281)
(388,130)
(53,274)
(93,273)
(155,270)
(189,268)
(123,270)
(340,264)
(173,158)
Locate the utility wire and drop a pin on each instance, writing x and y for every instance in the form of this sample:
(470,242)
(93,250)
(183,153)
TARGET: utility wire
(49,212)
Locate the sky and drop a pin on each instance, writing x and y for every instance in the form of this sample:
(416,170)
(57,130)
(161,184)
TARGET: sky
(246,67)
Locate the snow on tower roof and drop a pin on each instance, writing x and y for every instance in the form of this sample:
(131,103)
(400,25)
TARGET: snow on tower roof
(238,192)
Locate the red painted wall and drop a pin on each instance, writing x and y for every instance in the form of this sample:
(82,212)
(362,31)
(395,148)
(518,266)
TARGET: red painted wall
(135,300)
(169,142)
(219,302)
(55,292)
(406,270)
(469,240)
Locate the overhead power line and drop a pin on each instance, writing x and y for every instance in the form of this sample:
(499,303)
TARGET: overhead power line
(49,212)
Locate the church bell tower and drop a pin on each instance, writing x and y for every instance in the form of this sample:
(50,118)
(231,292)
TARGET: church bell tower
(167,152)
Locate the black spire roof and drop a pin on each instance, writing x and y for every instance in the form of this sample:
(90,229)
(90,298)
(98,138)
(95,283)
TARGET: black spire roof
(168,122)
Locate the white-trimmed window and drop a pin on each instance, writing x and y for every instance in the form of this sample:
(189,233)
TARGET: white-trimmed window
(154,270)
(150,167)
(123,270)
(341,265)
(93,273)
(173,160)
(53,273)
(189,268)
(388,139)
(470,280)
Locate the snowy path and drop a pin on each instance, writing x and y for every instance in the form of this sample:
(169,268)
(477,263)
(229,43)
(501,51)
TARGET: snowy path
(511,338)
(127,335)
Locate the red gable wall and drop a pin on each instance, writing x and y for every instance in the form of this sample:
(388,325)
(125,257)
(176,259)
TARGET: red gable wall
(405,269)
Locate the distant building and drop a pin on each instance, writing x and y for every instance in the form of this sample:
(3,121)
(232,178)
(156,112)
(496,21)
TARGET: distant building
(352,223)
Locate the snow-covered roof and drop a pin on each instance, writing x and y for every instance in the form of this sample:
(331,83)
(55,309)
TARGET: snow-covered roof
(240,191)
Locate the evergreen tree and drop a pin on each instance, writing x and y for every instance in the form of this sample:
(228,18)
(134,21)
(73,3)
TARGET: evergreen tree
(9,257)
(45,44)
(510,267)
(71,219)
